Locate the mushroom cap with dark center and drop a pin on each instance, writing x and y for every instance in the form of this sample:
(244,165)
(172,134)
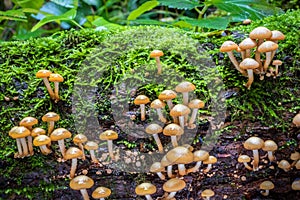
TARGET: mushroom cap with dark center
(266,185)
(37,131)
(267,46)
(80,138)
(56,78)
(145,189)
(180,155)
(253,143)
(174,185)
(43,73)
(101,192)
(91,145)
(156,53)
(200,155)
(260,33)
(19,132)
(277,35)
(167,95)
(179,110)
(244,158)
(153,129)
(185,87)
(207,193)
(247,43)
(157,104)
(172,130)
(28,121)
(228,46)
(249,63)
(108,135)
(269,145)
(141,99)
(50,116)
(41,140)
(196,104)
(81,182)
(60,134)
(73,152)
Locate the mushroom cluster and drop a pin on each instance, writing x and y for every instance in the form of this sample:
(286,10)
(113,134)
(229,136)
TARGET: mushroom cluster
(261,41)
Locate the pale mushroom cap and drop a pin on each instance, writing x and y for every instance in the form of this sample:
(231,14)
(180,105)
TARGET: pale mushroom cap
(228,46)
(247,43)
(260,33)
(196,103)
(249,63)
(296,120)
(269,145)
(297,165)
(244,158)
(277,62)
(145,189)
(41,140)
(60,134)
(141,99)
(19,132)
(43,73)
(108,135)
(172,129)
(156,167)
(200,155)
(185,87)
(81,182)
(253,143)
(165,162)
(91,145)
(153,129)
(295,156)
(28,121)
(296,185)
(174,185)
(207,193)
(266,185)
(80,138)
(156,53)
(179,110)
(284,164)
(157,104)
(167,95)
(50,116)
(180,155)
(56,78)
(101,192)
(37,131)
(73,152)
(277,35)
(210,160)
(267,46)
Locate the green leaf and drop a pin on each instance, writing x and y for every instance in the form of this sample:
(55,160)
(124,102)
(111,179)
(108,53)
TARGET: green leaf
(101,22)
(143,8)
(68,16)
(147,22)
(219,23)
(66,3)
(16,15)
(182,24)
(180,4)
(96,3)
(36,4)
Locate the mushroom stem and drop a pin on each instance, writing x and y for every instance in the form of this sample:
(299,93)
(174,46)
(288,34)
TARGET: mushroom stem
(171,195)
(45,150)
(250,78)
(158,142)
(160,115)
(185,98)
(247,166)
(110,149)
(257,53)
(265,192)
(62,147)
(174,140)
(148,197)
(56,88)
(181,121)
(158,65)
(143,112)
(161,176)
(82,149)
(235,62)
(209,166)
(84,194)
(73,167)
(271,156)
(170,103)
(24,146)
(175,120)
(50,127)
(47,84)
(30,147)
(255,160)
(20,151)
(181,169)
(193,117)
(93,156)
(169,171)
(195,168)
(267,61)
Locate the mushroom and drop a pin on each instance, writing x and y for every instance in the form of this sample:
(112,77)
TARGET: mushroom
(173,130)
(270,146)
(199,157)
(297,165)
(56,78)
(50,117)
(254,143)
(276,35)
(59,135)
(82,183)
(158,105)
(157,54)
(109,135)
(145,189)
(166,163)
(276,63)
(195,105)
(157,168)
(266,186)
(44,74)
(267,47)
(181,111)
(249,64)
(247,21)
(296,184)
(154,130)
(296,120)
(229,46)
(168,95)
(28,122)
(37,131)
(246,45)
(142,100)
(173,186)
(91,147)
(101,193)
(180,156)
(285,165)
(42,141)
(184,88)
(294,157)
(209,161)
(78,140)
(73,153)
(207,193)
(19,133)
(245,159)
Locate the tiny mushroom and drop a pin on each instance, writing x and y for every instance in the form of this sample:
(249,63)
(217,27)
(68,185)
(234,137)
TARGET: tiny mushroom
(145,189)
(172,186)
(246,45)
(50,118)
(296,120)
(157,168)
(101,193)
(249,64)
(277,63)
(296,184)
(109,135)
(254,143)
(92,146)
(267,47)
(142,100)
(270,146)
(199,157)
(159,105)
(157,54)
(56,78)
(181,111)
(73,153)
(78,140)
(44,74)
(154,130)
(173,130)
(38,131)
(168,95)
(20,133)
(245,159)
(59,135)
(82,183)
(195,105)
(285,165)
(207,193)
(42,141)
(28,122)
(184,88)
(209,161)
(266,186)
(294,157)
